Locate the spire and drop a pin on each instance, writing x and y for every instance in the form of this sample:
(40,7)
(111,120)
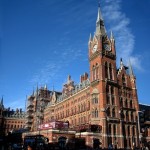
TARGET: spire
(130,69)
(33,92)
(45,87)
(121,63)
(37,91)
(99,15)
(111,36)
(100,28)
(90,38)
(1,103)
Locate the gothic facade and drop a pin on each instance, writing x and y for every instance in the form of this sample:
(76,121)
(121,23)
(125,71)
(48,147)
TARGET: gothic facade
(10,120)
(103,106)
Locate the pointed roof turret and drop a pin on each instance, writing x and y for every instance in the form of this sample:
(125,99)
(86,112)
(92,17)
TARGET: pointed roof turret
(45,87)
(100,28)
(99,15)
(130,69)
(1,103)
(121,63)
(111,36)
(90,38)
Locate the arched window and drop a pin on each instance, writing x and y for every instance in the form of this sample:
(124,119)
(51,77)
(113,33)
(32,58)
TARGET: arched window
(88,106)
(97,71)
(113,100)
(113,112)
(127,116)
(112,90)
(108,99)
(123,80)
(93,70)
(128,130)
(108,112)
(79,108)
(114,128)
(84,106)
(109,129)
(95,98)
(107,89)
(106,70)
(132,119)
(110,71)
(75,109)
(126,103)
(121,102)
(133,131)
(96,113)
(130,103)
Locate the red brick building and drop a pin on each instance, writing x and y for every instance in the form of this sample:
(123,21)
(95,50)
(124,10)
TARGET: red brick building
(11,120)
(103,106)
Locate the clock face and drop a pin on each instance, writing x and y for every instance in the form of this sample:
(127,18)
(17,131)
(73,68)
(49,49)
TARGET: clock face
(107,47)
(94,48)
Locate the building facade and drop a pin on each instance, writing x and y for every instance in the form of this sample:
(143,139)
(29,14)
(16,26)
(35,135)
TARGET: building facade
(11,120)
(144,125)
(103,106)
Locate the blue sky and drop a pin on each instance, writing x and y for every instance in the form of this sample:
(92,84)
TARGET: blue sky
(42,41)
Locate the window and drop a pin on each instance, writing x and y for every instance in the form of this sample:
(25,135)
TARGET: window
(128,130)
(95,113)
(113,100)
(133,130)
(110,71)
(107,89)
(130,103)
(121,103)
(109,129)
(127,116)
(123,80)
(93,70)
(95,98)
(97,71)
(106,70)
(108,99)
(113,112)
(114,128)
(132,118)
(126,103)
(112,90)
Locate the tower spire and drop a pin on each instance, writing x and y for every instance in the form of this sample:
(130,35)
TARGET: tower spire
(1,103)
(100,28)
(99,15)
(130,69)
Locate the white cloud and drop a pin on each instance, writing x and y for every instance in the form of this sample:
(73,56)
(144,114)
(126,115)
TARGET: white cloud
(119,24)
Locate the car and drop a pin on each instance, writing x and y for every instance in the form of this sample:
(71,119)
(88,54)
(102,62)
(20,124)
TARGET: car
(17,146)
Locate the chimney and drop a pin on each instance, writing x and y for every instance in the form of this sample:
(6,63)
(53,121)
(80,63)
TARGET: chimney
(85,76)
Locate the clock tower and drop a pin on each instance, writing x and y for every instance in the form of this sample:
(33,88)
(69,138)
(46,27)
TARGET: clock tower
(103,77)
(114,102)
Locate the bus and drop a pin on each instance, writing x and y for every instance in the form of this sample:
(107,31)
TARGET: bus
(35,142)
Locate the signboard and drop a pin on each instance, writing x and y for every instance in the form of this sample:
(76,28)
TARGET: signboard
(54,125)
